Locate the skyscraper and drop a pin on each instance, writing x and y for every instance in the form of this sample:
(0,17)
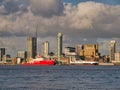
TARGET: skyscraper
(2,53)
(31,47)
(59,44)
(45,48)
(112,50)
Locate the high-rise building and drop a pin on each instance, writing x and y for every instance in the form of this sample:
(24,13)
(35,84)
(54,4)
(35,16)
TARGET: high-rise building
(45,48)
(59,44)
(31,47)
(112,50)
(2,53)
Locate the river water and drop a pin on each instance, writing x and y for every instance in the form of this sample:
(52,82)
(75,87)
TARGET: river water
(60,78)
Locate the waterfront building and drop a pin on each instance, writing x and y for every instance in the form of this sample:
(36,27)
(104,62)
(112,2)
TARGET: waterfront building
(31,47)
(2,53)
(112,50)
(59,44)
(45,48)
(21,54)
(69,51)
(79,50)
(88,51)
(6,58)
(91,51)
(117,57)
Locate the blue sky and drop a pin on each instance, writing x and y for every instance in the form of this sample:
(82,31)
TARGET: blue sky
(110,2)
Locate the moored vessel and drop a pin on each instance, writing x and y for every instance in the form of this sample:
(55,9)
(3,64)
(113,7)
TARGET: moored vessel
(39,61)
(83,62)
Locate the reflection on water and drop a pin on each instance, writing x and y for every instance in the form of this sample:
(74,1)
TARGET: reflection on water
(60,78)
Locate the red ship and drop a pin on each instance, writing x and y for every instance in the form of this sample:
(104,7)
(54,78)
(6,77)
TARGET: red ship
(39,61)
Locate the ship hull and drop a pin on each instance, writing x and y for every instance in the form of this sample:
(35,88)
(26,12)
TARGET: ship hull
(39,63)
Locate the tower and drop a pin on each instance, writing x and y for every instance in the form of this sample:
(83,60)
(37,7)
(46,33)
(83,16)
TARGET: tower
(59,44)
(2,53)
(112,50)
(31,47)
(45,48)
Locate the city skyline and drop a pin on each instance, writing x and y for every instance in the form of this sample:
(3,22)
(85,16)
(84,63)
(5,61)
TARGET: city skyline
(82,21)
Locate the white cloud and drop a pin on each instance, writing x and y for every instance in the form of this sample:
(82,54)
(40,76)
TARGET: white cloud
(86,20)
(12,6)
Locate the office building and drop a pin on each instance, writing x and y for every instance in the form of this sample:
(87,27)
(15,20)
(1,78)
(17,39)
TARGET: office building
(2,53)
(45,49)
(59,44)
(31,47)
(112,50)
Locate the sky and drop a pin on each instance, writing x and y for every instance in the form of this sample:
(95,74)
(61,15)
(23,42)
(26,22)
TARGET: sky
(109,2)
(80,22)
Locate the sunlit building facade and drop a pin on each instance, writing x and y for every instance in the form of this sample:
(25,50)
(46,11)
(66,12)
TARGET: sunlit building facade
(112,50)
(91,50)
(59,44)
(31,47)
(88,51)
(117,57)
(45,48)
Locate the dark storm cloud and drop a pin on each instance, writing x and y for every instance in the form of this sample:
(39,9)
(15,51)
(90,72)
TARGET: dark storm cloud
(46,8)
(13,6)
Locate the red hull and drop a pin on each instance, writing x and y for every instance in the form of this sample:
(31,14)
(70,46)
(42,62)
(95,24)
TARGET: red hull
(39,63)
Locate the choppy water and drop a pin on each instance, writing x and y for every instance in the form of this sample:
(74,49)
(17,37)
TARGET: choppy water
(60,78)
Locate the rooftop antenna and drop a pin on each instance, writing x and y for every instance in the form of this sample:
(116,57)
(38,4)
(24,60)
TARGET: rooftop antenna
(36,30)
(36,36)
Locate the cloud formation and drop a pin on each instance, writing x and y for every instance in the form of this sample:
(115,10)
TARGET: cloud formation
(46,7)
(86,20)
(12,6)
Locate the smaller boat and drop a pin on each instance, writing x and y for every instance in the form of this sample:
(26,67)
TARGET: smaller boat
(83,62)
(39,61)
